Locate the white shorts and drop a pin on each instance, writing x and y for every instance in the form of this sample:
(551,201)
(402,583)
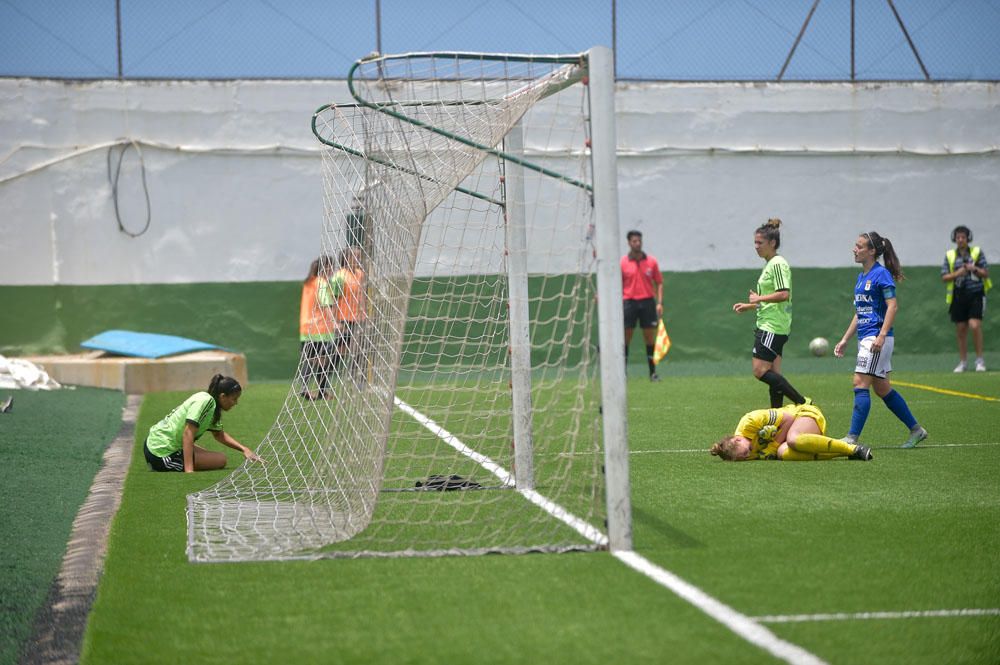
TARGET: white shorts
(876,364)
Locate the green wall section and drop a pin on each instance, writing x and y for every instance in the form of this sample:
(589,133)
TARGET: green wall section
(260,319)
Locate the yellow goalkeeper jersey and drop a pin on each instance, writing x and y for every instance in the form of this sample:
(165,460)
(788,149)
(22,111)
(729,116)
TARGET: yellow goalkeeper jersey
(761,426)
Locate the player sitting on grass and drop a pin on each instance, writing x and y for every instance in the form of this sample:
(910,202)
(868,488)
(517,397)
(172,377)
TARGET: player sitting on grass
(170,443)
(795,433)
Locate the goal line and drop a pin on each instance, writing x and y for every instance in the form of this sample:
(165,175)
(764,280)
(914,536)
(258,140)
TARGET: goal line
(748,628)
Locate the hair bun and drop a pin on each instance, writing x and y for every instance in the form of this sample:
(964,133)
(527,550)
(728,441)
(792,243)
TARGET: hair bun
(774,221)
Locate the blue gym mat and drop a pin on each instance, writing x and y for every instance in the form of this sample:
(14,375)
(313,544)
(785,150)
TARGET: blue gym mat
(143,345)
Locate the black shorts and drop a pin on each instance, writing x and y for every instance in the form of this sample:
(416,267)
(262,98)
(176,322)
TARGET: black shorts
(641,311)
(767,345)
(965,306)
(172,462)
(317,351)
(346,333)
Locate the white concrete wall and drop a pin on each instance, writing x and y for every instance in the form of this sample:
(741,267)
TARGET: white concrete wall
(235,188)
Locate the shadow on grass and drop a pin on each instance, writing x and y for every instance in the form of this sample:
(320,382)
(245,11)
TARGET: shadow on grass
(674,535)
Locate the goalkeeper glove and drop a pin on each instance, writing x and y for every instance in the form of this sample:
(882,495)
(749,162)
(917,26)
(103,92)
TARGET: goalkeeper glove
(767,432)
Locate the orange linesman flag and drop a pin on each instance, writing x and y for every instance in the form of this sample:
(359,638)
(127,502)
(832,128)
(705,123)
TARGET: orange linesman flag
(662,343)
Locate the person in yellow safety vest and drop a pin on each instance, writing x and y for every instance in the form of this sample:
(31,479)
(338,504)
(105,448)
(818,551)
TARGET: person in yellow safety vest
(967,275)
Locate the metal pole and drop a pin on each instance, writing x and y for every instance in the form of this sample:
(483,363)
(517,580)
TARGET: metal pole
(378,25)
(118,35)
(852,40)
(913,47)
(614,34)
(611,332)
(520,332)
(802,31)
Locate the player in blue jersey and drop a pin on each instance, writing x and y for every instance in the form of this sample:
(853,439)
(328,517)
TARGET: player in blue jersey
(875,310)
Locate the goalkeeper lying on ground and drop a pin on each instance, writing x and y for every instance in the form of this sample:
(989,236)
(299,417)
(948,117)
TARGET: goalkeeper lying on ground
(795,433)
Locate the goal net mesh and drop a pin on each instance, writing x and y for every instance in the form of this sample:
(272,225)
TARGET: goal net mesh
(449,400)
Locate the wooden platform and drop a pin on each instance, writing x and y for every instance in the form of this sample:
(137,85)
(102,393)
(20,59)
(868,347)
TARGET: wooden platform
(135,376)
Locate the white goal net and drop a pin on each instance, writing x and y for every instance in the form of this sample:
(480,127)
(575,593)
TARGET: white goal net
(450,401)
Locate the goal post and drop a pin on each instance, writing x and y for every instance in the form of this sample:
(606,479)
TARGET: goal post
(609,289)
(464,392)
(520,334)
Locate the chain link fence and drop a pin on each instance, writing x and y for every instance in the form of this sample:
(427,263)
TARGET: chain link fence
(690,40)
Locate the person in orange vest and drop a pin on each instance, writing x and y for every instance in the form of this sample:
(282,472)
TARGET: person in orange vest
(967,275)
(317,329)
(344,294)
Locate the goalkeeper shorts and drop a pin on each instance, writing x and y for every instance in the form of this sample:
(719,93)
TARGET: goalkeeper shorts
(811,411)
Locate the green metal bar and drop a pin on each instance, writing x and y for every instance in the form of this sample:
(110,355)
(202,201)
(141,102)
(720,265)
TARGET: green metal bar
(358,153)
(382,108)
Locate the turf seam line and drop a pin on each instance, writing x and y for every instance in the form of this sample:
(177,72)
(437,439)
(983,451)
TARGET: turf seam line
(738,623)
(57,634)
(905,614)
(674,451)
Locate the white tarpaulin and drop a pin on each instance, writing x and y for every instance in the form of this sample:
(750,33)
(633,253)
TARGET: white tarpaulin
(16,373)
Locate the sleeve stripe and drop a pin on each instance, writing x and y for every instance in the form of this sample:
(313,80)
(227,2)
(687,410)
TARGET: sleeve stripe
(205,411)
(779,278)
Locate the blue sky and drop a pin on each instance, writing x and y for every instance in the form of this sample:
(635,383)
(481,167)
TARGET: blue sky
(655,39)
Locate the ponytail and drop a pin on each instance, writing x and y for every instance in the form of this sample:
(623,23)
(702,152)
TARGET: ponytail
(222,385)
(323,263)
(313,271)
(883,248)
(724,448)
(770,231)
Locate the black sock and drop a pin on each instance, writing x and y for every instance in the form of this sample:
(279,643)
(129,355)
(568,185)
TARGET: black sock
(777,397)
(780,383)
(649,360)
(626,358)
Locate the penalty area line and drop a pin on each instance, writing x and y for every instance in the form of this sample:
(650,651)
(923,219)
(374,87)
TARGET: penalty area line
(944,391)
(744,626)
(862,616)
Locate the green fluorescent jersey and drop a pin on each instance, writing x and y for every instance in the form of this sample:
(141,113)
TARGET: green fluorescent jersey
(167,436)
(775,317)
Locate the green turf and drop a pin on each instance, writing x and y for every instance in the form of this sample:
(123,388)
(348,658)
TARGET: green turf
(51,444)
(912,530)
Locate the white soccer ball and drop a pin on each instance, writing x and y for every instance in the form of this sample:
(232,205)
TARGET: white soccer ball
(819,346)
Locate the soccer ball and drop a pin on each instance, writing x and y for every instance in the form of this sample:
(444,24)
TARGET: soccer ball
(819,346)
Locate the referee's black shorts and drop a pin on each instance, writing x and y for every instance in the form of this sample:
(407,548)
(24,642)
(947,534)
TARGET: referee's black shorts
(642,312)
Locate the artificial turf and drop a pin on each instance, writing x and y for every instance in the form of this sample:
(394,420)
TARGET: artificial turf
(51,445)
(912,530)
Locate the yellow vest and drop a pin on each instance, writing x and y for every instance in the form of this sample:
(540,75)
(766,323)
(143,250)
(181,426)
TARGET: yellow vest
(951,255)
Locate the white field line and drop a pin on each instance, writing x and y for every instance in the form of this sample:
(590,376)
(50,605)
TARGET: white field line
(582,527)
(674,451)
(862,616)
(739,623)
(742,625)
